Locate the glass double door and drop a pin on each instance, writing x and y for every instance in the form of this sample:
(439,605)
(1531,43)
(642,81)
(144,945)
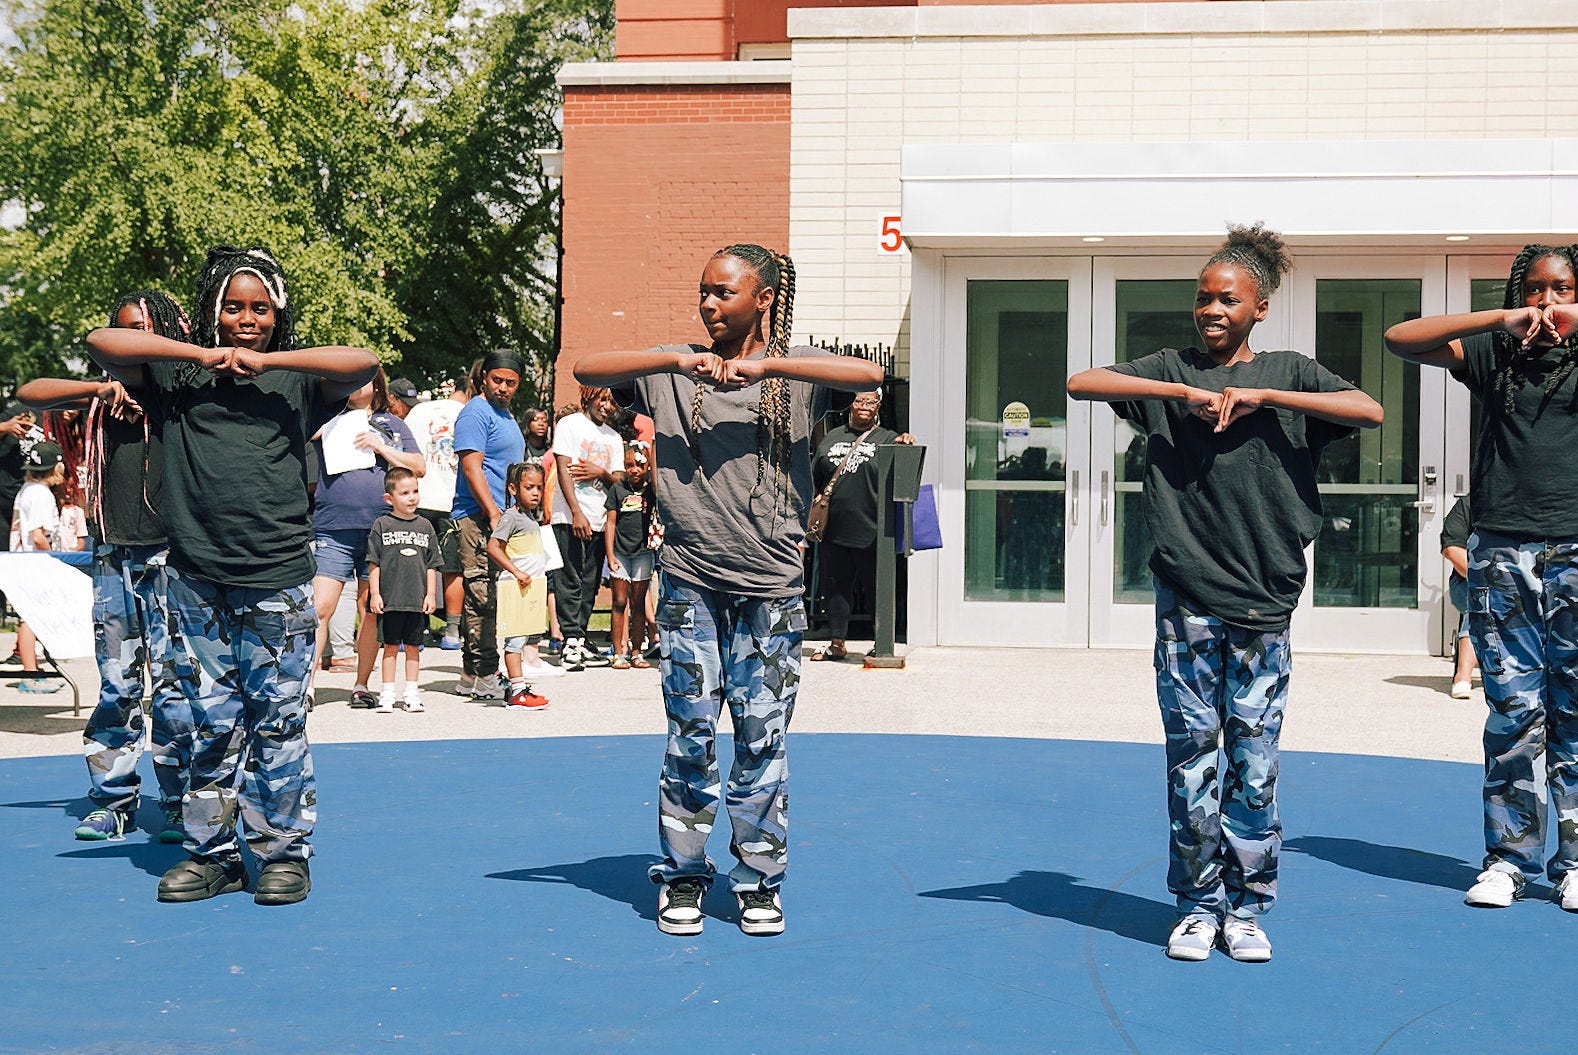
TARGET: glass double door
(1048,491)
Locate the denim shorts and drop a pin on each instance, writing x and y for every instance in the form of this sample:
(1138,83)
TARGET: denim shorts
(341,555)
(517,644)
(633,567)
(1457,589)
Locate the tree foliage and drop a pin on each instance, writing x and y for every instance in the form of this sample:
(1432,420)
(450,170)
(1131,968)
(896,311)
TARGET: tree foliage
(383,149)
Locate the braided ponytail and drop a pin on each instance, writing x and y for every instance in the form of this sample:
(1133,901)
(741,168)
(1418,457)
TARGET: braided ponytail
(774,423)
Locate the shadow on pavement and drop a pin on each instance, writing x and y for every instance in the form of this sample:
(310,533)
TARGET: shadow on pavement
(622,878)
(1062,896)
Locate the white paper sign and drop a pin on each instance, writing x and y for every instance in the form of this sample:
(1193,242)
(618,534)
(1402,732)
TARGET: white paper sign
(340,453)
(53,598)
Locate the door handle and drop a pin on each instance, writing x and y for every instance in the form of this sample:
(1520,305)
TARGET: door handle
(1105,476)
(1073,499)
(1427,492)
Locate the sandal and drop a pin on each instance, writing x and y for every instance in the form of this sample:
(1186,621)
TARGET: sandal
(829,654)
(639,661)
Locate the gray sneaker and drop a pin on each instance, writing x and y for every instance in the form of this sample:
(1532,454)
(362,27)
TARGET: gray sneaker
(1245,941)
(488,688)
(1192,939)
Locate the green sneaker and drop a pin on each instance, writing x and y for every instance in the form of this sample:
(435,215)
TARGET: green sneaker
(105,824)
(173,830)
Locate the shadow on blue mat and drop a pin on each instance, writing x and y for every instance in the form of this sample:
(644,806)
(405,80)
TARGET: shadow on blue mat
(1062,896)
(78,808)
(622,879)
(153,858)
(1388,862)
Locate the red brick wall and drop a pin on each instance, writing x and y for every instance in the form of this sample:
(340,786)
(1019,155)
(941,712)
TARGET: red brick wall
(655,180)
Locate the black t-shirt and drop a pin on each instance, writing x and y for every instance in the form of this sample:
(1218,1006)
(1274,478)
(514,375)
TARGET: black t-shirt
(1455,525)
(852,507)
(12,452)
(403,550)
(1524,477)
(632,517)
(235,472)
(1231,512)
(1455,530)
(133,484)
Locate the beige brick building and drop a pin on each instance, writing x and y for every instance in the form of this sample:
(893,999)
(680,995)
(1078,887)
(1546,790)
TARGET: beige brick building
(1010,192)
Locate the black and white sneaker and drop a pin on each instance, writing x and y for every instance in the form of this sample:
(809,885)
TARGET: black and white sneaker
(593,657)
(760,912)
(679,906)
(571,658)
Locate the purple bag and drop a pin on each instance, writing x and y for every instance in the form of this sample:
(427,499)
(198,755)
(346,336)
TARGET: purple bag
(922,531)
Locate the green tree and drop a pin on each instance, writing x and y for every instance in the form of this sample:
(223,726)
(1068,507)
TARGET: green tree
(383,150)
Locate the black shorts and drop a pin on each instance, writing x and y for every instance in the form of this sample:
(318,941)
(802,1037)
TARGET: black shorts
(402,628)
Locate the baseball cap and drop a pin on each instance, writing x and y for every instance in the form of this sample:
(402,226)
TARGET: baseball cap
(403,388)
(44,456)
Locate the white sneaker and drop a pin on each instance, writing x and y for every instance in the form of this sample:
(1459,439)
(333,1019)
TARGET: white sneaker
(573,656)
(385,702)
(413,702)
(1245,941)
(679,906)
(541,670)
(1567,892)
(761,912)
(1192,939)
(488,688)
(1462,690)
(1495,888)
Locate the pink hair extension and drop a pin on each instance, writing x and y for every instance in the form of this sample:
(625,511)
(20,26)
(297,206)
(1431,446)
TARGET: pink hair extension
(93,461)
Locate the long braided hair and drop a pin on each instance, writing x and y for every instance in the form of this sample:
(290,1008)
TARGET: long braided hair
(1257,250)
(159,314)
(774,421)
(1510,354)
(223,264)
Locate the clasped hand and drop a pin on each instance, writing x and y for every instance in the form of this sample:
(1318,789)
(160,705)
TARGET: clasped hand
(119,402)
(719,372)
(232,362)
(1546,326)
(1223,408)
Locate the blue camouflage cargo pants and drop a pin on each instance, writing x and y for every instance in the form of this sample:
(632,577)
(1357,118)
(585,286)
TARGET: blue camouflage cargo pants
(244,666)
(131,628)
(1522,597)
(744,651)
(1222,691)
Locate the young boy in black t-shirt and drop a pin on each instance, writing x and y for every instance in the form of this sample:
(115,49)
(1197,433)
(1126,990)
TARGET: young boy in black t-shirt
(403,558)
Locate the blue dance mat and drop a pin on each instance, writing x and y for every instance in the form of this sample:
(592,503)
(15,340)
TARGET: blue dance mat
(945,895)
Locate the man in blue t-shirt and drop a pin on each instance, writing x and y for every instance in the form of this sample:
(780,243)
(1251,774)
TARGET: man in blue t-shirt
(487,441)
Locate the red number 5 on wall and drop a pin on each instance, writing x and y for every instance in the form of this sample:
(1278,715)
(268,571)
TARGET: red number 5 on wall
(890,240)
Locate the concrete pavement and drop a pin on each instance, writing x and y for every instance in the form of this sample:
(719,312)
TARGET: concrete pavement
(1354,704)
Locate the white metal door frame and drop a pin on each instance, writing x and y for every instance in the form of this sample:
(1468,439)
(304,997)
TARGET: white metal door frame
(964,622)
